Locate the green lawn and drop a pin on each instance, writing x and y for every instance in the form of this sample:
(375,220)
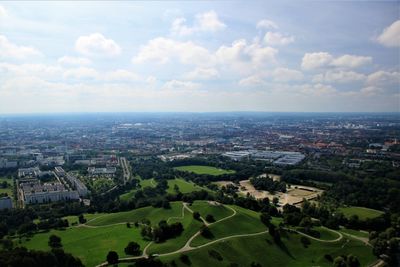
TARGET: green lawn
(91,245)
(355,232)
(245,250)
(143,183)
(190,226)
(244,222)
(362,213)
(184,186)
(155,215)
(109,232)
(198,169)
(9,189)
(217,211)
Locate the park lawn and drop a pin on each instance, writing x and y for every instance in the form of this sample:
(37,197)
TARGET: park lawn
(91,245)
(218,211)
(244,222)
(184,186)
(361,212)
(325,233)
(199,169)
(9,189)
(355,232)
(262,249)
(155,215)
(143,183)
(190,226)
(88,216)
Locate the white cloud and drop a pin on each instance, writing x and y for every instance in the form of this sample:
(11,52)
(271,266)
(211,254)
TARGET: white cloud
(390,36)
(371,90)
(202,74)
(318,89)
(243,57)
(96,44)
(384,78)
(286,75)
(23,70)
(209,21)
(204,22)
(252,81)
(339,77)
(176,85)
(67,60)
(318,60)
(13,51)
(81,73)
(163,50)
(121,75)
(3,12)
(351,61)
(276,38)
(267,24)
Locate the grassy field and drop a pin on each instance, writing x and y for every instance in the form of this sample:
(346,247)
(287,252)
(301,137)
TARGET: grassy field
(205,208)
(245,250)
(91,245)
(198,169)
(355,232)
(362,213)
(9,189)
(184,186)
(244,222)
(105,232)
(143,183)
(155,215)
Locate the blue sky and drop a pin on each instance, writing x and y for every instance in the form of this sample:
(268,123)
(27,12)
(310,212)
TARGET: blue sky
(199,56)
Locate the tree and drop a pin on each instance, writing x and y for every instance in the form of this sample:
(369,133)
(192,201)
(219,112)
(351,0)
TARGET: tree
(132,248)
(205,232)
(210,218)
(112,257)
(81,219)
(352,261)
(55,241)
(265,218)
(185,259)
(196,215)
(305,241)
(339,262)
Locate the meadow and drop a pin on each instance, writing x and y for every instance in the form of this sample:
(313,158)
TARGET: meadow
(361,212)
(199,169)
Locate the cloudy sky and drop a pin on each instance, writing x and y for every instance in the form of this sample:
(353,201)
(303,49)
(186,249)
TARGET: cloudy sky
(199,56)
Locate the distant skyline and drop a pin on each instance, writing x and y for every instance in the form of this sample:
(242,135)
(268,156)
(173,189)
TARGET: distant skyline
(274,56)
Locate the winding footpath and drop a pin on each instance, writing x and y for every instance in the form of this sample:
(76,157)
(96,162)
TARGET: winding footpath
(187,247)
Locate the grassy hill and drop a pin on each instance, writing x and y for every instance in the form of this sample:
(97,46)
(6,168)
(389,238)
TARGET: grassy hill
(361,212)
(104,232)
(199,169)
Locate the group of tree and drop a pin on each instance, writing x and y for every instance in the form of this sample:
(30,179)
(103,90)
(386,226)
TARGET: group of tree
(162,231)
(23,257)
(267,184)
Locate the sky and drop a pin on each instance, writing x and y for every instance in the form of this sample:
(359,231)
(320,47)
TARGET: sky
(285,56)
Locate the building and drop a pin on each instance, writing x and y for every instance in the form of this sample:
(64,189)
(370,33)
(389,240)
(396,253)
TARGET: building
(28,172)
(31,191)
(96,172)
(72,180)
(237,155)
